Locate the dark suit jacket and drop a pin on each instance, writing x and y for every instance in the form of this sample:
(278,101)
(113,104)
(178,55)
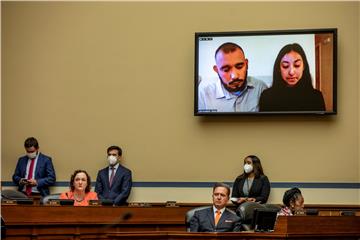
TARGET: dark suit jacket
(260,188)
(44,173)
(203,221)
(120,188)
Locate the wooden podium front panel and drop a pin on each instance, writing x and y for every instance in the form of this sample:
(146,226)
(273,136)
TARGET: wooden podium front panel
(22,214)
(195,236)
(293,227)
(54,222)
(323,226)
(38,222)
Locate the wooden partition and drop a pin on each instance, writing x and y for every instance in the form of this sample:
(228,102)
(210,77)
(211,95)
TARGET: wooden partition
(102,222)
(295,227)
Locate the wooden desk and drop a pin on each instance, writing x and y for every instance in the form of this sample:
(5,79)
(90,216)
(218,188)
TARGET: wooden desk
(95,222)
(53,222)
(193,236)
(295,227)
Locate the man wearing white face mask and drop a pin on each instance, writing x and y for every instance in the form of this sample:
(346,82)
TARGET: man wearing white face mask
(34,173)
(114,182)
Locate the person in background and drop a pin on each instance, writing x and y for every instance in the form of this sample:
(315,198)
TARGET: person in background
(252,185)
(34,172)
(115,181)
(80,185)
(292,88)
(216,218)
(234,91)
(293,203)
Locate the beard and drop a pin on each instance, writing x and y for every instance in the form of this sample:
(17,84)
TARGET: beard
(235,85)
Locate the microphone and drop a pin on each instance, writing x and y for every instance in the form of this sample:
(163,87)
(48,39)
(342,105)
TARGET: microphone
(123,218)
(126,216)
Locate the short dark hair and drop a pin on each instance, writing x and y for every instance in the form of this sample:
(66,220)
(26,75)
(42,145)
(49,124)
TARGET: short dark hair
(220,184)
(291,195)
(115,148)
(31,142)
(88,181)
(228,47)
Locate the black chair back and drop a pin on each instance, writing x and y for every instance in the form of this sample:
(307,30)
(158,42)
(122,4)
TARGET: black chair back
(246,213)
(10,194)
(45,200)
(275,207)
(189,214)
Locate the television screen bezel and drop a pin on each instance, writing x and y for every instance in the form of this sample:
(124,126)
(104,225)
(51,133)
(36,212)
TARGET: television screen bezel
(263,33)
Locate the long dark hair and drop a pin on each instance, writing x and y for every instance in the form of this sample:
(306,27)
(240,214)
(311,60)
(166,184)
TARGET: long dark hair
(305,81)
(258,170)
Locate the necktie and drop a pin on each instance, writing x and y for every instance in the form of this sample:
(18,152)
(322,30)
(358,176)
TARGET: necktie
(112,175)
(217,216)
(30,176)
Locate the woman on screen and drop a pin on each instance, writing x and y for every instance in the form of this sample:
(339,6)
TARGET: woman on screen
(293,203)
(292,89)
(80,185)
(252,185)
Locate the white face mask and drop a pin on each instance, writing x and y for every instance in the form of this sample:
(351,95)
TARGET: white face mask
(32,155)
(112,160)
(248,168)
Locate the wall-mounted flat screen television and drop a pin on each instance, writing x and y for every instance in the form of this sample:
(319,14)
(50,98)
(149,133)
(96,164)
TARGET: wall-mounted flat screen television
(266,72)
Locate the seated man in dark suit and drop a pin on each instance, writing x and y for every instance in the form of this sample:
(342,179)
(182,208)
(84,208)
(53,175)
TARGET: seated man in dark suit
(114,182)
(216,218)
(34,172)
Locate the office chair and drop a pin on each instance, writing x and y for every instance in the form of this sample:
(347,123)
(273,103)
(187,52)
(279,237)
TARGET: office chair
(10,194)
(276,207)
(45,200)
(246,213)
(189,214)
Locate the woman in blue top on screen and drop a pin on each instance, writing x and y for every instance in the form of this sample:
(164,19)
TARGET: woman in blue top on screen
(292,88)
(252,185)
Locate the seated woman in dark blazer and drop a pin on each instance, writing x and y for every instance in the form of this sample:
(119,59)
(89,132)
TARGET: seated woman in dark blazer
(252,185)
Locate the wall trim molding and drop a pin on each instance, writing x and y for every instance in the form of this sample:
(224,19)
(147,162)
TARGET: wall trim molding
(334,185)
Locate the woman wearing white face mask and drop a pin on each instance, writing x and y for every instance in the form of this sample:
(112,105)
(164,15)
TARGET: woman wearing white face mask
(252,185)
